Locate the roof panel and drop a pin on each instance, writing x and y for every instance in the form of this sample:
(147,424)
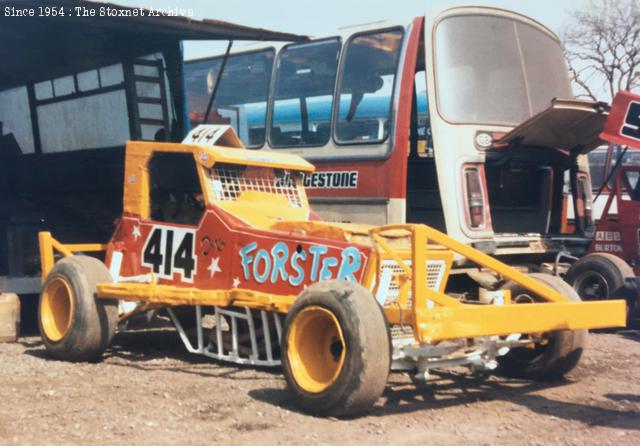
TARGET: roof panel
(34,45)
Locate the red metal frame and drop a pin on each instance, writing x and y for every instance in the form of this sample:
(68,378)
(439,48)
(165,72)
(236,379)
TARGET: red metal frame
(619,233)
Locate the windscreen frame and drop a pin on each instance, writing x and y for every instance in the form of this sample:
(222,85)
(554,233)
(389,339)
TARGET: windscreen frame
(404,32)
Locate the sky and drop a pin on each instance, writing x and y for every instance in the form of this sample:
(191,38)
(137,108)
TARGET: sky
(323,17)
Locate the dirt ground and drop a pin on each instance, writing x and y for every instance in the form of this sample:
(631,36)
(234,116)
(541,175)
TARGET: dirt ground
(149,390)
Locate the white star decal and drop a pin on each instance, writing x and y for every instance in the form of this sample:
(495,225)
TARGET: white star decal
(214,267)
(236,282)
(136,232)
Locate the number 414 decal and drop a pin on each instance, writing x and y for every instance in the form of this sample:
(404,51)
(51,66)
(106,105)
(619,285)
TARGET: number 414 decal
(170,250)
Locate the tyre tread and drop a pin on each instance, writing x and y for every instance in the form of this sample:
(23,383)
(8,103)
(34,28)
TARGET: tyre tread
(94,320)
(363,380)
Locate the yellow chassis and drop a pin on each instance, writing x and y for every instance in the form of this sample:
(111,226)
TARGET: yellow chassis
(447,318)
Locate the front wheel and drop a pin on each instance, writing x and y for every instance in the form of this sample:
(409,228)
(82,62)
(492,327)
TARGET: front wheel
(74,324)
(552,354)
(336,349)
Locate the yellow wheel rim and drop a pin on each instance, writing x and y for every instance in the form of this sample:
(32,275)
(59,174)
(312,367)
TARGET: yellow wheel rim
(56,309)
(315,349)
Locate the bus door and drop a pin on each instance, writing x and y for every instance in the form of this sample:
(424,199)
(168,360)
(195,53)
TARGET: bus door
(360,177)
(423,199)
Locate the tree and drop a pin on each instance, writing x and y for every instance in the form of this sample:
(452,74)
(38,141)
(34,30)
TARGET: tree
(602,47)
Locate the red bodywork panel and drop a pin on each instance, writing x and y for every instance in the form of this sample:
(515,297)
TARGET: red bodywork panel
(619,233)
(623,124)
(221,253)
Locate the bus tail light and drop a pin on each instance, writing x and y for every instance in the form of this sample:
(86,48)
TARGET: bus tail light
(475,197)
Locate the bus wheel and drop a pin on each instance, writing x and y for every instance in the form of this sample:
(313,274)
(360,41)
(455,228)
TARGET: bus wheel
(336,349)
(601,276)
(552,354)
(74,325)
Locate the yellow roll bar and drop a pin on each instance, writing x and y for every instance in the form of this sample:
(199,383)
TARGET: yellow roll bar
(49,245)
(451,319)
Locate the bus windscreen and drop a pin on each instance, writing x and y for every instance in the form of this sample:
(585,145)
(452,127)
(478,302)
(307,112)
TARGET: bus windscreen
(241,99)
(496,70)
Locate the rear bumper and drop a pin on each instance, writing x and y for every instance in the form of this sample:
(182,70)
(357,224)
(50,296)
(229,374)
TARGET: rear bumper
(542,244)
(532,244)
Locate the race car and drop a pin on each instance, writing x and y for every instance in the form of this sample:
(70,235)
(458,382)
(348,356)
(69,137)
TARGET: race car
(223,239)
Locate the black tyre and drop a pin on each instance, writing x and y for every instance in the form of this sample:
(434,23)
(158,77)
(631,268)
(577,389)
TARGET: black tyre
(554,353)
(336,349)
(602,276)
(74,325)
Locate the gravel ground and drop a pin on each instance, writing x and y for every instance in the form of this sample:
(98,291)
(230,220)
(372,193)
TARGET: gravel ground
(148,390)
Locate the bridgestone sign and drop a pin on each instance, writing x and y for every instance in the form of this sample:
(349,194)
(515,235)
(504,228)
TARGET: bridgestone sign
(332,180)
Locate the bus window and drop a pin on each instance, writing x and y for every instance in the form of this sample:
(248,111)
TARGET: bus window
(496,70)
(366,87)
(241,99)
(631,185)
(597,165)
(424,143)
(303,97)
(630,158)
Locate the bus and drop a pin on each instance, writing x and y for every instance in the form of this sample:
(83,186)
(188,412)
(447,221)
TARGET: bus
(462,119)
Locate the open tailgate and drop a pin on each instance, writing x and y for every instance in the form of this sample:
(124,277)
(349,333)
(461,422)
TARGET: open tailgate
(571,126)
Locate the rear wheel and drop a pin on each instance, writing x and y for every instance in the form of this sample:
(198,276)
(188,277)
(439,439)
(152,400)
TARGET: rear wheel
(552,354)
(336,349)
(74,325)
(601,276)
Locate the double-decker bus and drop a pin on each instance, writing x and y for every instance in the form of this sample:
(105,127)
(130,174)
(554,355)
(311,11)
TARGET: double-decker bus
(462,119)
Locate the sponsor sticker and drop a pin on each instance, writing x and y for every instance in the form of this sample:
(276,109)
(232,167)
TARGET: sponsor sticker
(332,180)
(280,264)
